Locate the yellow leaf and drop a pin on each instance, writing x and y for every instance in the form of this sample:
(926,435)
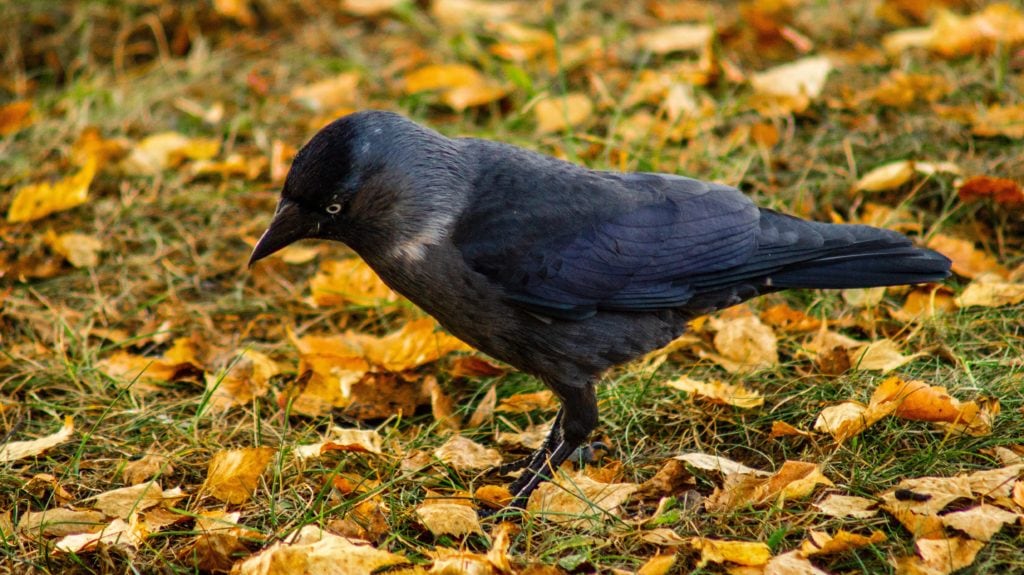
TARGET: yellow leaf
(744,344)
(939,556)
(794,480)
(719,392)
(791,563)
(328,94)
(367,8)
(575,499)
(658,565)
(81,251)
(981,522)
(341,439)
(349,280)
(821,543)
(805,77)
(234,474)
(463,97)
(740,552)
(464,454)
(59,522)
(36,201)
(237,10)
(676,38)
(16,450)
(968,261)
(882,355)
(848,506)
(442,76)
(886,177)
(247,378)
(991,291)
(131,533)
(458,13)
(312,550)
(560,112)
(449,519)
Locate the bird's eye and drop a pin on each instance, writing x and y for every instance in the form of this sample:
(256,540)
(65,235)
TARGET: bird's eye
(333,208)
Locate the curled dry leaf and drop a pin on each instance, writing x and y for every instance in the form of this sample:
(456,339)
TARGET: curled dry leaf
(968,261)
(821,543)
(925,303)
(848,506)
(981,522)
(527,402)
(416,344)
(60,522)
(917,401)
(340,439)
(748,553)
(464,454)
(722,465)
(791,563)
(886,177)
(882,355)
(783,429)
(660,564)
(313,550)
(234,474)
(531,438)
(163,150)
(178,361)
(991,290)
(131,533)
(449,519)
(794,480)
(245,379)
(349,281)
(719,392)
(578,499)
(939,556)
(16,450)
(790,87)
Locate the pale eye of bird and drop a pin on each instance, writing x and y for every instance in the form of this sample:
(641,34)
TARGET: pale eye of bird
(333,208)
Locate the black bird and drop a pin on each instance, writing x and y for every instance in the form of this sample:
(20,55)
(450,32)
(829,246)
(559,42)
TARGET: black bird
(556,269)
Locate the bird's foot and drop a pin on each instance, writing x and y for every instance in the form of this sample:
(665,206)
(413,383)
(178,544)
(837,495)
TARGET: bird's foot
(589,454)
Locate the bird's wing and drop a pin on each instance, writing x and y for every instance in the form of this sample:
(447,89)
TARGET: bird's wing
(627,242)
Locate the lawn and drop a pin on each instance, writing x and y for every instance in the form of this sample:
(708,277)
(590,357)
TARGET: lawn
(194,415)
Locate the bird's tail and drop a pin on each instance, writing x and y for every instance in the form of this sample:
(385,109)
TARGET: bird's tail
(855,256)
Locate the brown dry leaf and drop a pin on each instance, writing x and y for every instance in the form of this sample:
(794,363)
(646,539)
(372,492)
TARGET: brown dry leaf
(658,565)
(341,439)
(882,355)
(164,150)
(449,519)
(60,522)
(790,87)
(748,553)
(783,429)
(847,419)
(1002,191)
(36,201)
(148,466)
(722,465)
(676,38)
(577,499)
(494,496)
(474,366)
(16,450)
(791,563)
(131,533)
(719,392)
(848,506)
(329,93)
(794,480)
(926,495)
(92,145)
(460,13)
(464,454)
(459,99)
(245,379)
(218,545)
(901,90)
(558,113)
(484,411)
(442,406)
(981,522)
(127,501)
(237,10)
(968,261)
(990,290)
(369,8)
(234,474)
(462,85)
(995,483)
(15,116)
(349,281)
(939,556)
(178,361)
(527,402)
(672,478)
(531,438)
(821,543)
(917,401)
(925,303)
(744,344)
(234,166)
(80,250)
(785,318)
(521,43)
(952,36)
(998,120)
(312,550)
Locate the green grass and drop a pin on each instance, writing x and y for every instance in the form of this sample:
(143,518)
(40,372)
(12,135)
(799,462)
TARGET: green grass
(175,251)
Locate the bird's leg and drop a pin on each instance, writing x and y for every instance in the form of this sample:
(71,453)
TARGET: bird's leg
(549,444)
(579,418)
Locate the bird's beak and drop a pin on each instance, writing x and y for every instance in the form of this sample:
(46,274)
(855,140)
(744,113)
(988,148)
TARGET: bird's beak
(290,224)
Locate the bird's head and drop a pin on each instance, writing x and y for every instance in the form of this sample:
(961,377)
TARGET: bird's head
(365,179)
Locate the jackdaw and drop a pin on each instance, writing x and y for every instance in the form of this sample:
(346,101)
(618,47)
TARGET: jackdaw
(556,269)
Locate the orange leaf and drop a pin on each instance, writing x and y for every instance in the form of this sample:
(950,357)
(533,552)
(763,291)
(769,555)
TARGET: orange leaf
(1000,190)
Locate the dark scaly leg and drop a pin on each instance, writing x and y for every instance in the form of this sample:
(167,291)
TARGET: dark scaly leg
(549,444)
(579,418)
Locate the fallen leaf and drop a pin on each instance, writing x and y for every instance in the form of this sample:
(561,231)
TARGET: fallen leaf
(341,439)
(369,8)
(36,201)
(991,290)
(722,465)
(531,438)
(821,543)
(245,379)
(792,86)
(671,478)
(926,495)
(939,556)
(783,429)
(416,343)
(744,344)
(60,522)
(234,474)
(459,13)
(484,411)
(968,261)
(178,361)
(80,250)
(16,450)
(660,564)
(951,35)
(442,406)
(129,533)
(527,402)
(312,550)
(981,522)
(917,401)
(998,121)
(847,419)
(442,77)
(882,355)
(449,519)
(794,480)
(676,38)
(791,563)
(164,150)
(127,501)
(718,392)
(148,466)
(900,89)
(1000,190)
(577,498)
(739,552)
(15,116)
(886,177)
(785,318)
(848,506)
(925,303)
(329,93)
(349,281)
(463,97)
(464,454)
(558,113)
